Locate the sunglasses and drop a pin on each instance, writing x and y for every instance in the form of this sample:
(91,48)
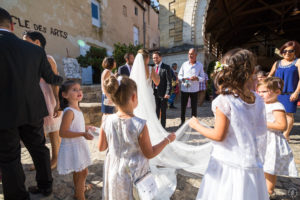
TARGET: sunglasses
(288,51)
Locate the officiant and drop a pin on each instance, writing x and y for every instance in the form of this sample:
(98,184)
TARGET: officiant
(190,74)
(163,90)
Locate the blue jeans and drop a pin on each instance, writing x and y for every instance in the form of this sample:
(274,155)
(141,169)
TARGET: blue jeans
(172,98)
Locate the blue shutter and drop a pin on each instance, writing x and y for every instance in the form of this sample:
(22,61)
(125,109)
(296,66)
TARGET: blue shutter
(94,11)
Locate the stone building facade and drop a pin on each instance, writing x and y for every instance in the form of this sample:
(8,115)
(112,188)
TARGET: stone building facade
(100,23)
(181,28)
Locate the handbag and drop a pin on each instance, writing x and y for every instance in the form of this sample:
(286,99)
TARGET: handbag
(146,187)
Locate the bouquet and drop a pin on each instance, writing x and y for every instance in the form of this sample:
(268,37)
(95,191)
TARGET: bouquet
(186,82)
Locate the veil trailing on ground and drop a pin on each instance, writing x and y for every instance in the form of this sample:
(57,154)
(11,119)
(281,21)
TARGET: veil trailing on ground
(190,151)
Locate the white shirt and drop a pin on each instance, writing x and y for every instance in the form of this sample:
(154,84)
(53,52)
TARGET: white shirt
(129,68)
(159,65)
(188,70)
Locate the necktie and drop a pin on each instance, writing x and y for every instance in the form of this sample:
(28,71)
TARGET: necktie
(156,71)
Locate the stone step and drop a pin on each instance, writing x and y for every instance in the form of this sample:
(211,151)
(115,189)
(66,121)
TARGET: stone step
(92,113)
(91,93)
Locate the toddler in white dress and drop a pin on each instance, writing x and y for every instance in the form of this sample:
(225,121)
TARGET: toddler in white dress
(127,139)
(235,169)
(279,159)
(74,154)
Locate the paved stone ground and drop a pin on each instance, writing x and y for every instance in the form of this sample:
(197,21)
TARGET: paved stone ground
(187,183)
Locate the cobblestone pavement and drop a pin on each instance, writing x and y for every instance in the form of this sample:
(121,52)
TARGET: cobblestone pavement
(187,183)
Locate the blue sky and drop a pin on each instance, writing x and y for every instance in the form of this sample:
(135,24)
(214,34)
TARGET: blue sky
(155,1)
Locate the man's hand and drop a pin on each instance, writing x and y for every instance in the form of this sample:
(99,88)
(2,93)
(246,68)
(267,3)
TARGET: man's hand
(194,78)
(167,96)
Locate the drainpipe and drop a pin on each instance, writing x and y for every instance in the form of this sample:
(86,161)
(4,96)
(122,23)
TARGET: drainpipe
(144,29)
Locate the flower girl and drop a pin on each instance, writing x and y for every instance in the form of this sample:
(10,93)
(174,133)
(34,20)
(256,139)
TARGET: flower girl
(279,159)
(127,139)
(235,169)
(74,154)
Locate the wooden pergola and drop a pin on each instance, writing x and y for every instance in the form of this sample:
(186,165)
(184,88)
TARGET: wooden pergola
(231,23)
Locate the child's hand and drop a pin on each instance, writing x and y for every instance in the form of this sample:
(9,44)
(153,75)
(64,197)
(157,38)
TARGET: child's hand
(90,128)
(88,136)
(171,137)
(194,122)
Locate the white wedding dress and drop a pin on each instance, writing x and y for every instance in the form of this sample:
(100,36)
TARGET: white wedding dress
(190,151)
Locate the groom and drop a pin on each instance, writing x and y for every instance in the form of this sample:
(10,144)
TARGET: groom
(126,69)
(162,91)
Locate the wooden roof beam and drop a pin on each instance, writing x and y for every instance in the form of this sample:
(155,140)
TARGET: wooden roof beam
(228,34)
(268,5)
(256,10)
(237,9)
(226,7)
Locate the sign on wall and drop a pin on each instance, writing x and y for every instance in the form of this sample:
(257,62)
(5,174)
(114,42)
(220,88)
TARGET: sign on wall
(24,23)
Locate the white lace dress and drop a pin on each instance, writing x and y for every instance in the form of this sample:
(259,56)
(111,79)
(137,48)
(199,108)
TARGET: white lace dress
(279,159)
(124,161)
(74,153)
(235,169)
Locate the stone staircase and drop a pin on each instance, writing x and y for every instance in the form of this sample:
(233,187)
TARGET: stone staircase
(91,104)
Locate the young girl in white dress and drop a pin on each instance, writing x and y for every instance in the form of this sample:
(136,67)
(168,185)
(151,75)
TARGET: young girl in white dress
(127,139)
(279,159)
(74,154)
(235,169)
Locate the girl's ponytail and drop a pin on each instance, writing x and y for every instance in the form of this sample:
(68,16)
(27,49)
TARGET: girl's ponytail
(119,90)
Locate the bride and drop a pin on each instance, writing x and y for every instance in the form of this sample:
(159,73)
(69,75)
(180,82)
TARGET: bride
(180,154)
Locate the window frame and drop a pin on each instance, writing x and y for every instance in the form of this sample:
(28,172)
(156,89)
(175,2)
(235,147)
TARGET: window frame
(96,22)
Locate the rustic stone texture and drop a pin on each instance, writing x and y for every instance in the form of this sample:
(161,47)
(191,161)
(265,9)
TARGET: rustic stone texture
(91,93)
(71,68)
(92,113)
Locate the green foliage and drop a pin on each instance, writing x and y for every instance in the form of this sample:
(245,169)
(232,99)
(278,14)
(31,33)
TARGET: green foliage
(121,49)
(93,57)
(210,70)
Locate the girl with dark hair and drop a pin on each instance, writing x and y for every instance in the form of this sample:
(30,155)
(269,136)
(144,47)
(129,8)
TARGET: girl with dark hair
(74,154)
(53,120)
(288,69)
(235,170)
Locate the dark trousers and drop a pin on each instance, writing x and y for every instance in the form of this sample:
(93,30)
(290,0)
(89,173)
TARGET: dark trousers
(161,109)
(184,100)
(13,178)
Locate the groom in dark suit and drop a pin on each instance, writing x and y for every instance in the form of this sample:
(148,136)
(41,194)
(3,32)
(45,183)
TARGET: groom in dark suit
(162,91)
(126,69)
(22,111)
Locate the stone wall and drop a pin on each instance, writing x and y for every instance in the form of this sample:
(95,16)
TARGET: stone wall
(181,28)
(64,23)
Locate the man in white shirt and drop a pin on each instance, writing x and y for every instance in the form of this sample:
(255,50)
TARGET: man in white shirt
(126,69)
(190,74)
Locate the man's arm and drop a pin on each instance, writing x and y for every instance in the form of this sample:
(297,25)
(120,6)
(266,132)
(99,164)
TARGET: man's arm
(180,74)
(46,72)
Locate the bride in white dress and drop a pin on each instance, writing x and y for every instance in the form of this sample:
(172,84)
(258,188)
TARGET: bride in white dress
(178,155)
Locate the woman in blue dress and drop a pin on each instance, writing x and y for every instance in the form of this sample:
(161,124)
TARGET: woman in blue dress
(288,69)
